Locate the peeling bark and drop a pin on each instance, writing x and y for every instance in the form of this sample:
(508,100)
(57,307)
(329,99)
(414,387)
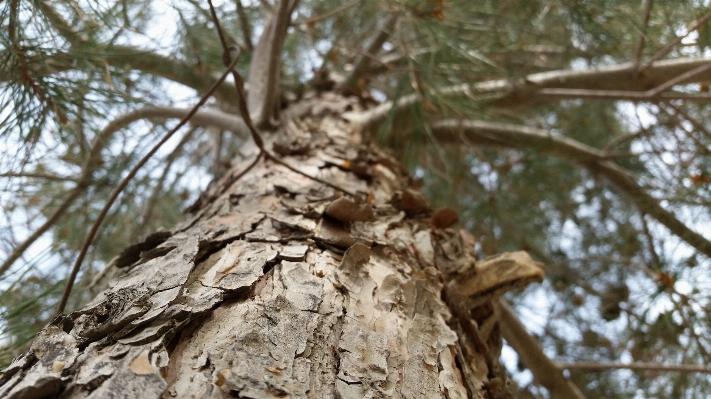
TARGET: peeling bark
(264,293)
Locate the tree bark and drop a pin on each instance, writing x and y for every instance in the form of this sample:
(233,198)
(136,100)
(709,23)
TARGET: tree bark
(279,286)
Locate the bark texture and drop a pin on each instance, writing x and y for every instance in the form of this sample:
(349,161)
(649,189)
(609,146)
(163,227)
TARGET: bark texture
(280,287)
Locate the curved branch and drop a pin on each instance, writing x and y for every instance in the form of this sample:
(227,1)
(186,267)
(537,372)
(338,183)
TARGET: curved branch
(522,137)
(203,117)
(545,371)
(610,83)
(131,58)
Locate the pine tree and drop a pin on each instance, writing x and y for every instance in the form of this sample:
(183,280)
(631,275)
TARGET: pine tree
(312,265)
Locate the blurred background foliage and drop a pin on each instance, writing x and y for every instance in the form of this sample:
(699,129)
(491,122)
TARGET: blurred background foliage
(619,288)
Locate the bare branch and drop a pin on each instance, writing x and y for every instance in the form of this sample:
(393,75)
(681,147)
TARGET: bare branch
(611,83)
(684,77)
(266,63)
(267,6)
(592,366)
(524,137)
(545,371)
(629,95)
(203,117)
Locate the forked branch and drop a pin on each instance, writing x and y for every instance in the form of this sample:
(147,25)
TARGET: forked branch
(617,82)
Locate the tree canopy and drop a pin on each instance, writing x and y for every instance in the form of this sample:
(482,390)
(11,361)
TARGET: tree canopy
(575,130)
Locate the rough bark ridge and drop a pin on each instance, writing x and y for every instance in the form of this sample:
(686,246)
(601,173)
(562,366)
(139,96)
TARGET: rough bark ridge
(280,287)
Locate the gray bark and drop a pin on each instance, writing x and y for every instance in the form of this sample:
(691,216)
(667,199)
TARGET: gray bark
(275,289)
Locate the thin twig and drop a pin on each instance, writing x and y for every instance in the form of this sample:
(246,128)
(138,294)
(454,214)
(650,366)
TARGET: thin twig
(621,139)
(124,183)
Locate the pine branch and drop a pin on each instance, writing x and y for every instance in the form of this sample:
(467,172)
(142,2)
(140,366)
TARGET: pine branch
(124,57)
(524,137)
(545,371)
(92,162)
(607,83)
(203,117)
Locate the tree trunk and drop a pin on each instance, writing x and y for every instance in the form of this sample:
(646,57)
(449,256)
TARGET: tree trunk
(279,286)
